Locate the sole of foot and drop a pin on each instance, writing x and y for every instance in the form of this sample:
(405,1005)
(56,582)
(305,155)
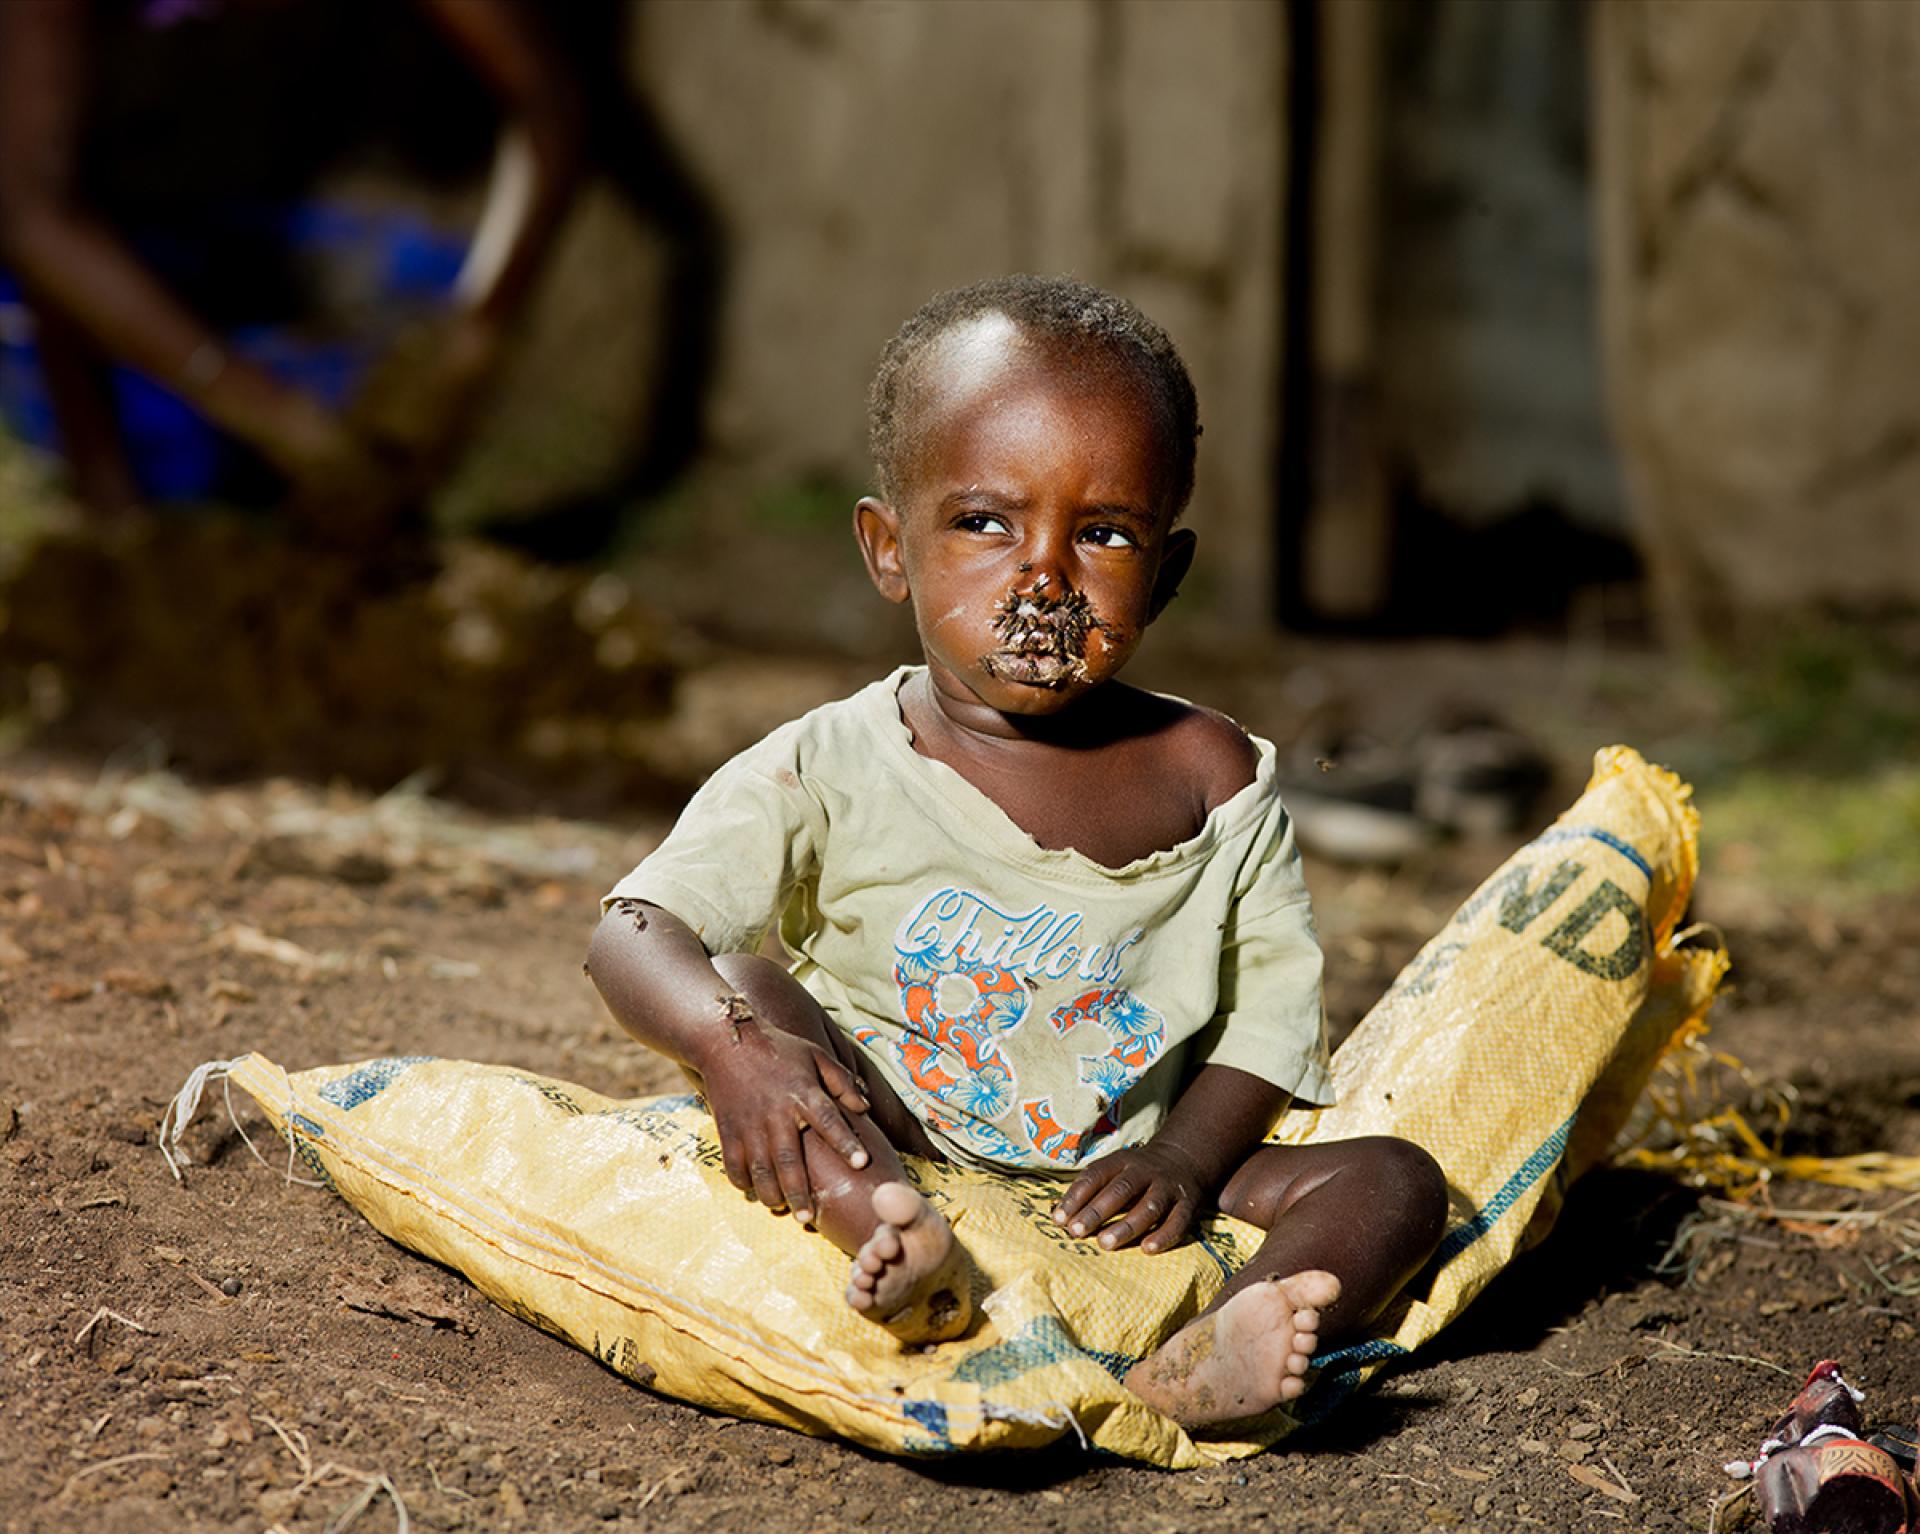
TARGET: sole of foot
(1247,1357)
(911,1275)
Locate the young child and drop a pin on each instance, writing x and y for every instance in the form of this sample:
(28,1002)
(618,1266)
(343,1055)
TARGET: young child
(1040,920)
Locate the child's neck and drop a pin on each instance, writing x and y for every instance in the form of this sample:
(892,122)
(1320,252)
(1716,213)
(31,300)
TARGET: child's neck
(946,717)
(1109,777)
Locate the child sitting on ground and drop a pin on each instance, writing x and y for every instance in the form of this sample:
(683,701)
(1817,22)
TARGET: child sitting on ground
(1041,921)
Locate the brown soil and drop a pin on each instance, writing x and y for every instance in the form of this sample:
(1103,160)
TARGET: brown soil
(146,927)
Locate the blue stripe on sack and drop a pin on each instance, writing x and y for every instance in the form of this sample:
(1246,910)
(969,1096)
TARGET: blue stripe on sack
(1361,1353)
(932,1416)
(1595,833)
(1116,1364)
(1041,1342)
(310,1159)
(367,1081)
(1226,1269)
(1328,1395)
(1330,1390)
(1531,1171)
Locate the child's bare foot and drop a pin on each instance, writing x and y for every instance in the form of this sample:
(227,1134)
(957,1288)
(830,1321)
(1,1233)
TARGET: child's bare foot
(911,1276)
(1245,1358)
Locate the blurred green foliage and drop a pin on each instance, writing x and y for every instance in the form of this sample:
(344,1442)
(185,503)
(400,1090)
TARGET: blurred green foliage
(1835,695)
(1819,837)
(818,503)
(1811,783)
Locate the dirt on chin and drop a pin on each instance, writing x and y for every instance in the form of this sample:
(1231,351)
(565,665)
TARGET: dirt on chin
(196,1355)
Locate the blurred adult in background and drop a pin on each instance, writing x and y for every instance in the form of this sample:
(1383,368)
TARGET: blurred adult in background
(124,115)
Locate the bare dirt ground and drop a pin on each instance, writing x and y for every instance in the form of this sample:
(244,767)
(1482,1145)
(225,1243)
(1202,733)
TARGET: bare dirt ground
(195,1355)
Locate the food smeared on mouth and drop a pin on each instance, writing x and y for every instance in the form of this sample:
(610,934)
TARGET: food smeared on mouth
(1043,638)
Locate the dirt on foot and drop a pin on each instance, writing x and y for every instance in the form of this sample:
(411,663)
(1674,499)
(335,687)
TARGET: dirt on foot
(1247,1357)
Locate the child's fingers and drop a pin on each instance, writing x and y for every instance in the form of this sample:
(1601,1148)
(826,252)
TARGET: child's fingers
(1158,1221)
(826,1120)
(843,1084)
(733,1157)
(790,1172)
(1070,1201)
(763,1171)
(1146,1214)
(1120,1191)
(1172,1230)
(1080,1191)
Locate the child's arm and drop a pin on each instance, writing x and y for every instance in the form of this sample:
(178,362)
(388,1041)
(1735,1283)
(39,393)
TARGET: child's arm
(1153,1192)
(764,1079)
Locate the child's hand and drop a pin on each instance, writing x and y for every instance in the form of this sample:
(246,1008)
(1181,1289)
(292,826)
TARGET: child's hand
(765,1088)
(1148,1191)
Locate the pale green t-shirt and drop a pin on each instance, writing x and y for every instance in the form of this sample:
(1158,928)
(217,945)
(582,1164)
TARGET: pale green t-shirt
(1032,1007)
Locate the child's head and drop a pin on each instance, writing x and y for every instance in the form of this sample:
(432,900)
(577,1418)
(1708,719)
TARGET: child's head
(1035,443)
(1092,328)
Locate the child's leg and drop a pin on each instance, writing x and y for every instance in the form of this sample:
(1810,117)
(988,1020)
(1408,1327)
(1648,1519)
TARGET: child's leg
(1348,1223)
(908,1272)
(1369,1211)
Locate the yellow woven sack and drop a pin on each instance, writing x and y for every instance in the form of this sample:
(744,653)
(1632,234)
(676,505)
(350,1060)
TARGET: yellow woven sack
(1512,1048)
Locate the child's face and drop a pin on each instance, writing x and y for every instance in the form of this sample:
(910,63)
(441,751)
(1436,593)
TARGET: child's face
(1031,533)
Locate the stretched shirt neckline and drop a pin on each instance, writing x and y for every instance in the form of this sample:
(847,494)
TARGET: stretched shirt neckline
(1014,843)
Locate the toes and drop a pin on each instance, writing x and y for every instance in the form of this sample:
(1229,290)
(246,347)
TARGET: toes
(1306,1325)
(897,1204)
(1292,1388)
(1312,1290)
(881,1251)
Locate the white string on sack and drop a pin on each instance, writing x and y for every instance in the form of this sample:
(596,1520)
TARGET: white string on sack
(1035,1417)
(186,1103)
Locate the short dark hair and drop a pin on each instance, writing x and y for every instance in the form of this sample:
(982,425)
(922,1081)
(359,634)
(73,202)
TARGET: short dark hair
(1061,309)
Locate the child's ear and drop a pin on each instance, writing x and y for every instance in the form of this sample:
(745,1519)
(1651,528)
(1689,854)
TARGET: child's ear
(876,528)
(1176,559)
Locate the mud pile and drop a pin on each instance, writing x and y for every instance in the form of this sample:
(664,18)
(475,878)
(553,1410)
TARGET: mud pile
(226,648)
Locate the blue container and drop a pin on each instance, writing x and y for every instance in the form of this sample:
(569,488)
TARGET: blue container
(395,265)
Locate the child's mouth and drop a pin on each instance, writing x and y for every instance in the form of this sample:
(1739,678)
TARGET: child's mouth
(1043,639)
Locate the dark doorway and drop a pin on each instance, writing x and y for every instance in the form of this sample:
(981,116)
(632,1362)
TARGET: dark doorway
(1446,467)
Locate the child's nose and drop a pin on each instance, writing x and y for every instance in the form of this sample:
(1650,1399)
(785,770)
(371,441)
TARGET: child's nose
(1043,567)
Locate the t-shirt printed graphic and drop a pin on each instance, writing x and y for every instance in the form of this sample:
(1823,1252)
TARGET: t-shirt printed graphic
(1033,1008)
(985,1053)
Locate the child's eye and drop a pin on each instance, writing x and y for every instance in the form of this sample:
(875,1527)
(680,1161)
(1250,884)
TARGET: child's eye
(1109,538)
(980,522)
